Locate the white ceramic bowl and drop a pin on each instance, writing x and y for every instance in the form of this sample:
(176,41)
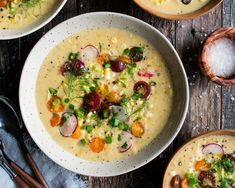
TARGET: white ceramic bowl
(70,27)
(16,33)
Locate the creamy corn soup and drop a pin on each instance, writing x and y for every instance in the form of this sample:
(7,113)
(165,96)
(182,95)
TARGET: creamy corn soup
(104,94)
(21,13)
(208,162)
(176,6)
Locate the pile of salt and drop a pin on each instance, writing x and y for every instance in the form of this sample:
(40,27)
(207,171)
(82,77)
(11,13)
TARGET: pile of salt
(221,57)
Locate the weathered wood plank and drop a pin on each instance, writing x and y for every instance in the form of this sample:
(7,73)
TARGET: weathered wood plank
(228,93)
(205,97)
(9,69)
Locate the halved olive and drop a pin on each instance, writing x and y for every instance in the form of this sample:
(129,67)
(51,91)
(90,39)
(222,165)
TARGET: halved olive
(91,101)
(136,53)
(143,88)
(175,181)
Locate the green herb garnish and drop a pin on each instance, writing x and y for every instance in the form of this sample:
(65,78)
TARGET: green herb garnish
(119,138)
(135,96)
(83,142)
(73,56)
(108,140)
(71,106)
(126,51)
(107,65)
(153,83)
(53,91)
(124,101)
(124,145)
(123,126)
(192,180)
(80,113)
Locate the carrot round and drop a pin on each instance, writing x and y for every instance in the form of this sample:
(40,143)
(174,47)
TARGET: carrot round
(201,165)
(54,104)
(184,183)
(97,144)
(137,129)
(101,59)
(55,120)
(77,133)
(113,96)
(126,60)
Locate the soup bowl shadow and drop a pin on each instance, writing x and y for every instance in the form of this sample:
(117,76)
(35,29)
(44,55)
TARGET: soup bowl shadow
(101,20)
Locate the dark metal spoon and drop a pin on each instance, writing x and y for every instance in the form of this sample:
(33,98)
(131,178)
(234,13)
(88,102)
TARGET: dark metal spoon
(11,121)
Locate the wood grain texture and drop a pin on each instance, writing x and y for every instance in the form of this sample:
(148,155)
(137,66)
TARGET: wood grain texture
(211,106)
(228,93)
(205,96)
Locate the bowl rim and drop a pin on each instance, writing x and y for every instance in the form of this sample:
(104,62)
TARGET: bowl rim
(189,141)
(186,16)
(38,26)
(184,109)
(223,32)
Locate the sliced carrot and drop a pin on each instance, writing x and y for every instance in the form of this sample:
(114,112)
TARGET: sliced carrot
(3,3)
(201,165)
(137,129)
(114,96)
(184,183)
(97,144)
(102,90)
(77,133)
(124,59)
(55,120)
(102,58)
(54,104)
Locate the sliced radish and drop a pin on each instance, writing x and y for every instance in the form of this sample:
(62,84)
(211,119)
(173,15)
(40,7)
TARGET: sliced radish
(69,125)
(89,53)
(126,141)
(121,114)
(212,148)
(146,74)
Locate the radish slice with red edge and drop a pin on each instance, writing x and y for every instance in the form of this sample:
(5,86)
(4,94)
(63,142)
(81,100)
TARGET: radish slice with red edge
(69,125)
(126,142)
(146,74)
(88,53)
(212,148)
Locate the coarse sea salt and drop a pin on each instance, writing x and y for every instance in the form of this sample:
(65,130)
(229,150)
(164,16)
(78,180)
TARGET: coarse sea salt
(221,57)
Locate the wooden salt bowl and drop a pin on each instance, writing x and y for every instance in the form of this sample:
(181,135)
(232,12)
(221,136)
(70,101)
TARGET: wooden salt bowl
(226,32)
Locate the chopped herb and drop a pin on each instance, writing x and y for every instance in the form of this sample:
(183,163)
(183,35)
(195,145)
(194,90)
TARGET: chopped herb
(139,49)
(80,113)
(66,100)
(53,91)
(100,47)
(153,83)
(73,56)
(30,3)
(124,101)
(113,122)
(126,51)
(192,180)
(158,74)
(83,141)
(141,107)
(71,107)
(137,119)
(105,114)
(124,145)
(107,65)
(89,128)
(63,119)
(96,118)
(123,126)
(119,138)
(108,140)
(135,96)
(56,102)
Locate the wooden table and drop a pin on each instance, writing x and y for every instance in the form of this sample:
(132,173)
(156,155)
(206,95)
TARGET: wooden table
(211,106)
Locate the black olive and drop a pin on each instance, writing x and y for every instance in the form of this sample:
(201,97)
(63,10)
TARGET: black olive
(186,1)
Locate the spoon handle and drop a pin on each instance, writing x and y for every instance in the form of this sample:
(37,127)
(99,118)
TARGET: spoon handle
(36,170)
(19,182)
(25,175)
